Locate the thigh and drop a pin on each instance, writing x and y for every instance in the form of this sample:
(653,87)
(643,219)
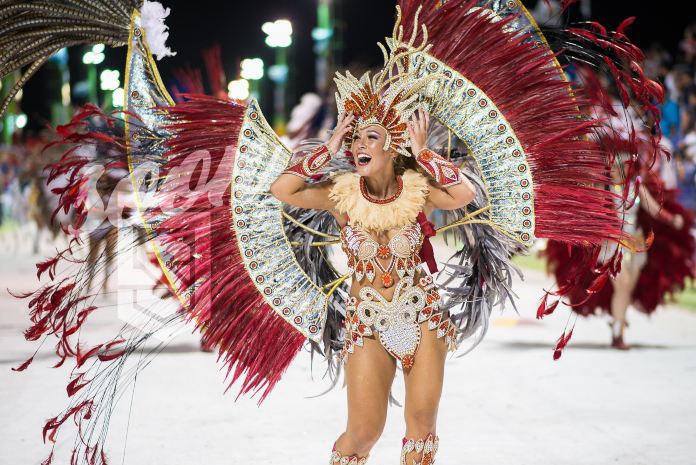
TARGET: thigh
(627,278)
(110,245)
(93,244)
(369,374)
(425,379)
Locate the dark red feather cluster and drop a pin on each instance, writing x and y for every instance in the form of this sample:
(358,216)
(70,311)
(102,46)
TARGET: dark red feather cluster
(516,74)
(559,126)
(254,342)
(61,307)
(588,291)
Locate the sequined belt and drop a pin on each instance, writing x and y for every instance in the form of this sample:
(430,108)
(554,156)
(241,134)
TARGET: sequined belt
(397,323)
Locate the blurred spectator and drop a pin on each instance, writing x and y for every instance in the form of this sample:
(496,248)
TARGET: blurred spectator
(687,46)
(689,109)
(671,120)
(687,172)
(682,77)
(658,61)
(4,182)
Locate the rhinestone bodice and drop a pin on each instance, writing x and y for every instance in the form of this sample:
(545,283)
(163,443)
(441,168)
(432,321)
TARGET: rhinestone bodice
(364,253)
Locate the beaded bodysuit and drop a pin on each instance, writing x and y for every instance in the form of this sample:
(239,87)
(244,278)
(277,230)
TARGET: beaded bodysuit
(395,323)
(365,255)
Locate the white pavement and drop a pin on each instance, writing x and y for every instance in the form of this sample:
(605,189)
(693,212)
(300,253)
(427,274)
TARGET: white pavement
(507,403)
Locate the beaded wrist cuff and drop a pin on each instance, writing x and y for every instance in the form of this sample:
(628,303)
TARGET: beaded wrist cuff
(311,164)
(446,173)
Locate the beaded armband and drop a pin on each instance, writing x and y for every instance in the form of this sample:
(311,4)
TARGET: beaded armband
(310,164)
(445,172)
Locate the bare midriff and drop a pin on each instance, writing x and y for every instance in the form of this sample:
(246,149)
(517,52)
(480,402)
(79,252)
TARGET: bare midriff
(386,292)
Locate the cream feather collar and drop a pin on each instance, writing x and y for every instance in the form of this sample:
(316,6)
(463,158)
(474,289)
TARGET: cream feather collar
(346,194)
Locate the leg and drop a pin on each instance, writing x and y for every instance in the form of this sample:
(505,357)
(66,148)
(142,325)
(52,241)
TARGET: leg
(93,244)
(624,285)
(369,373)
(110,242)
(37,238)
(423,390)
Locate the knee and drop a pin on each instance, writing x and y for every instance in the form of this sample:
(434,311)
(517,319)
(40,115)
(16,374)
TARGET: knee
(421,421)
(361,439)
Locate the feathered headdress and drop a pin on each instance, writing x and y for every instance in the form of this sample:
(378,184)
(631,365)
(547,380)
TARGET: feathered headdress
(391,96)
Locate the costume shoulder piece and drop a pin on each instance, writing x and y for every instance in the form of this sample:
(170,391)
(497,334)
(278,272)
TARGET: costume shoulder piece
(381,217)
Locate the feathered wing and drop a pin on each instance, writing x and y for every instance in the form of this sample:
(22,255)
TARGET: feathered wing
(200,174)
(537,144)
(311,234)
(33,31)
(478,276)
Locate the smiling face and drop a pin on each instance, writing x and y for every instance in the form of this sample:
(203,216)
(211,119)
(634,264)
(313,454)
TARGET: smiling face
(368,151)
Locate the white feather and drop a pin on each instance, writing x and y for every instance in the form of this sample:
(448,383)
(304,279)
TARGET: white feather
(152,20)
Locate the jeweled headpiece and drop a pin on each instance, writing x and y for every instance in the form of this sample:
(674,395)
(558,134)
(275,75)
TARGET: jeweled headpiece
(390,97)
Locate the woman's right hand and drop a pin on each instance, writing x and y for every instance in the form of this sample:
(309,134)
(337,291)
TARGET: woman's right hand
(343,127)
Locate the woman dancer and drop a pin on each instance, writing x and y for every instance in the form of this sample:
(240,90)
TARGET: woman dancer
(392,299)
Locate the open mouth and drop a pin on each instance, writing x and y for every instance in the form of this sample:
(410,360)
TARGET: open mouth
(364,159)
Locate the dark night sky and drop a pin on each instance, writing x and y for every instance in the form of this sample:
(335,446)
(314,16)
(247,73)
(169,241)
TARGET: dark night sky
(236,26)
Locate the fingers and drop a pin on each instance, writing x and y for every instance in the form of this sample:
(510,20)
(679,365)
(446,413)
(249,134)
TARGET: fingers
(343,127)
(423,119)
(347,124)
(344,124)
(342,121)
(419,123)
(339,123)
(411,130)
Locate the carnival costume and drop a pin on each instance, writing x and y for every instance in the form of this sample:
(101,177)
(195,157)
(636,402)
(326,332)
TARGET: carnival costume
(586,289)
(252,274)
(657,283)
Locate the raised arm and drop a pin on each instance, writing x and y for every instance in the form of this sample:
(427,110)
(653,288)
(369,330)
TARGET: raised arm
(449,188)
(654,209)
(291,188)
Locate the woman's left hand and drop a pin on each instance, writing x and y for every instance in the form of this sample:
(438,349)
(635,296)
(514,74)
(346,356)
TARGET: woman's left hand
(418,130)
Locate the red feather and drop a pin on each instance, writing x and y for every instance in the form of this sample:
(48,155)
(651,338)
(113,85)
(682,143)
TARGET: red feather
(105,357)
(542,307)
(625,24)
(598,284)
(48,265)
(82,357)
(561,344)
(75,385)
(24,365)
(48,460)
